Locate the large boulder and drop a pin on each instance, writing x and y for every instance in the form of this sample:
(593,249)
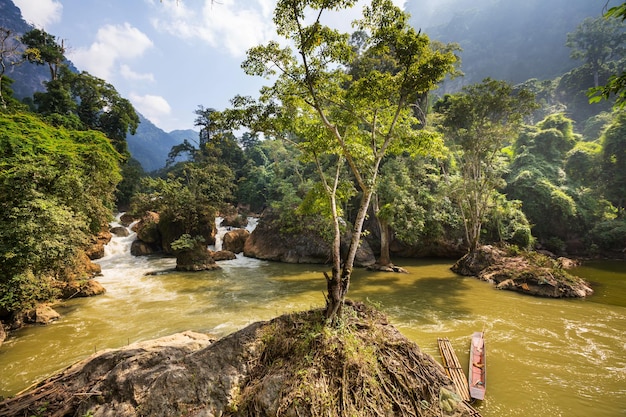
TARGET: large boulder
(120,231)
(235,240)
(141,248)
(42,314)
(147,228)
(75,289)
(284,367)
(96,248)
(196,259)
(268,242)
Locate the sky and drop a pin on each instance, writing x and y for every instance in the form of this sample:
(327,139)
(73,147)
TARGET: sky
(167,57)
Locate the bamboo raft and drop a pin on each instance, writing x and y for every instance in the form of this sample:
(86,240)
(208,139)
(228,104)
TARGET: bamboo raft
(453,368)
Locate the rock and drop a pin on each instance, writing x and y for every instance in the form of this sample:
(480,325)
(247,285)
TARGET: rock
(3,333)
(42,314)
(364,254)
(269,243)
(126,219)
(235,220)
(235,240)
(387,268)
(141,248)
(147,228)
(268,368)
(120,231)
(91,288)
(96,248)
(529,273)
(75,289)
(195,260)
(222,255)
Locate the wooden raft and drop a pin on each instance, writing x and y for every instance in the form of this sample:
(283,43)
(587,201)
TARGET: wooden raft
(453,368)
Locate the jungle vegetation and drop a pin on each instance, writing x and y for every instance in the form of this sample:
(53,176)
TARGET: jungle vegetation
(353,129)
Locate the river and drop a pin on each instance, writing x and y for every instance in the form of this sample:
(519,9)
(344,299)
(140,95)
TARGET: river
(545,357)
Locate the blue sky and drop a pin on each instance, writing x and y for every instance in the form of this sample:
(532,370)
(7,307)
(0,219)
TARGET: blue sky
(167,57)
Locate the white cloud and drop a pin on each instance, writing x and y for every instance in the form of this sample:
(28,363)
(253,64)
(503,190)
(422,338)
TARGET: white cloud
(131,75)
(41,12)
(232,25)
(152,107)
(113,43)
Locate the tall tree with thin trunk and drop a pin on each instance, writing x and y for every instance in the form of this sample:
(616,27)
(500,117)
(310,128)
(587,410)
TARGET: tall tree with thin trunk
(479,122)
(356,121)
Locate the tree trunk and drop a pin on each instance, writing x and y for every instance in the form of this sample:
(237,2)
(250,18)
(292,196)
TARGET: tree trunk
(384,258)
(339,283)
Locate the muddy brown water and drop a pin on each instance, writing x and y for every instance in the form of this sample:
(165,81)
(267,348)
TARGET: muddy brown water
(544,357)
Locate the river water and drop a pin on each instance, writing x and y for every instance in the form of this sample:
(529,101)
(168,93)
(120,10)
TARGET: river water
(545,357)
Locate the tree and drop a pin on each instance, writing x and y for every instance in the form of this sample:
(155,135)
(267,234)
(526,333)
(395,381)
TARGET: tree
(82,101)
(44,49)
(613,162)
(616,85)
(597,41)
(344,120)
(479,122)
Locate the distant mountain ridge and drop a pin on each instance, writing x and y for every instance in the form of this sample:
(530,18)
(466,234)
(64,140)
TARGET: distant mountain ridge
(503,39)
(150,145)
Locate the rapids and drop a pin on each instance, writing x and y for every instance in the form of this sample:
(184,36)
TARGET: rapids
(544,357)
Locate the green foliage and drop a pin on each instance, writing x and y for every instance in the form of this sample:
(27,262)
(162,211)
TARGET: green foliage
(24,291)
(187,243)
(56,189)
(614,160)
(598,40)
(478,123)
(43,48)
(609,235)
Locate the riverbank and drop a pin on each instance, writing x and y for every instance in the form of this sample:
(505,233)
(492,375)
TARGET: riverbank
(291,365)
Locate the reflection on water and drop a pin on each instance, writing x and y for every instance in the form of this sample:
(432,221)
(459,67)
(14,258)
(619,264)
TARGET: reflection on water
(546,357)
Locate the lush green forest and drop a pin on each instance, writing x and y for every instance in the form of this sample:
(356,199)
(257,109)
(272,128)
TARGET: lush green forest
(353,135)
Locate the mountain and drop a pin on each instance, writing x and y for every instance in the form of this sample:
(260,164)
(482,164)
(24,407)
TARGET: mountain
(150,145)
(502,39)
(28,78)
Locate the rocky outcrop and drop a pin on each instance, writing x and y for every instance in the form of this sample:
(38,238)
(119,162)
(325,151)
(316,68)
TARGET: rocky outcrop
(156,234)
(235,240)
(269,243)
(435,249)
(197,259)
(235,220)
(276,368)
(96,249)
(120,231)
(74,289)
(141,248)
(147,229)
(126,219)
(42,314)
(222,255)
(530,273)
